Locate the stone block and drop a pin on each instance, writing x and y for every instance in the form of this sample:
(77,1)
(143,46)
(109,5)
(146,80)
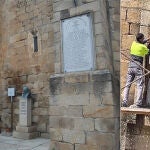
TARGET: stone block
(45,135)
(86,147)
(116,56)
(65,99)
(95,98)
(146,5)
(116,45)
(100,87)
(65,14)
(61,122)
(99,28)
(26,129)
(116,35)
(126,41)
(57,67)
(108,99)
(144,20)
(77,78)
(132,4)
(99,111)
(86,124)
(54,145)
(70,111)
(105,125)
(32,78)
(116,17)
(134,15)
(57,26)
(42,127)
(102,139)
(99,38)
(25,136)
(114,4)
(56,134)
(73,136)
(134,28)
(62,5)
(18,37)
(123,14)
(55,83)
(98,17)
(93,6)
(40,111)
(124,27)
(44,101)
(103,75)
(35,118)
(76,88)
(56,16)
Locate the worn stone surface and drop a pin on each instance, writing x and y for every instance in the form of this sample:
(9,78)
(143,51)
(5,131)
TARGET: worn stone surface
(19,62)
(61,107)
(96,112)
(73,96)
(61,146)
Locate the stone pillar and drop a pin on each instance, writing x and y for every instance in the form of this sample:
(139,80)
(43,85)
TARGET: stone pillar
(24,129)
(24,112)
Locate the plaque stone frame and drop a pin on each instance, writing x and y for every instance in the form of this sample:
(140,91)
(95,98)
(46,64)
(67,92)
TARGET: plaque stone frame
(78,43)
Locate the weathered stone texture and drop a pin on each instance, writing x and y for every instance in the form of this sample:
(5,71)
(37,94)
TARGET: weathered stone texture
(72,120)
(98,138)
(63,107)
(78,100)
(61,146)
(20,65)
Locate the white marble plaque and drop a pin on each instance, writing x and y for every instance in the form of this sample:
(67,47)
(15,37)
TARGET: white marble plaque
(77,40)
(24,112)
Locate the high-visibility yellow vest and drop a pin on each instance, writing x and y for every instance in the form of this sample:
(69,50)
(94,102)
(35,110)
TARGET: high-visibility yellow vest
(138,49)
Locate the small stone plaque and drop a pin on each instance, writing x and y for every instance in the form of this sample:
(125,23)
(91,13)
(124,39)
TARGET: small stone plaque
(77,40)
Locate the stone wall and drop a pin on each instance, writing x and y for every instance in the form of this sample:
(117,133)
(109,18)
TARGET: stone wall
(84,106)
(134,14)
(114,23)
(20,64)
(66,108)
(130,26)
(133,20)
(137,138)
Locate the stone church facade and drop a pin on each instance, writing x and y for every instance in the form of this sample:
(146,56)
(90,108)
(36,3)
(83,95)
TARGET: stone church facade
(75,109)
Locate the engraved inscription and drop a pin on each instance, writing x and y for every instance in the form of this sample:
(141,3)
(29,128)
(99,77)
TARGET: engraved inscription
(23,108)
(23,112)
(77,43)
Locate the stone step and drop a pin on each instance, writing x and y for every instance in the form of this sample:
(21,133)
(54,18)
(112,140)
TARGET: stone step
(25,136)
(26,129)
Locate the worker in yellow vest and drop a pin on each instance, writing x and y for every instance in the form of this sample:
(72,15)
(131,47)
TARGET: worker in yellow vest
(138,52)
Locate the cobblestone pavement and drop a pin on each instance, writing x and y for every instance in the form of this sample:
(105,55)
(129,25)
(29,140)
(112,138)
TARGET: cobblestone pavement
(10,143)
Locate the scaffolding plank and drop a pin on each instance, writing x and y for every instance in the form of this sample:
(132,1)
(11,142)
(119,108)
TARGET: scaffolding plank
(144,111)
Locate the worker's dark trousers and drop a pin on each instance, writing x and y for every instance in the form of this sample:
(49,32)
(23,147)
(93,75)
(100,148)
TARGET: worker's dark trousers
(134,72)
